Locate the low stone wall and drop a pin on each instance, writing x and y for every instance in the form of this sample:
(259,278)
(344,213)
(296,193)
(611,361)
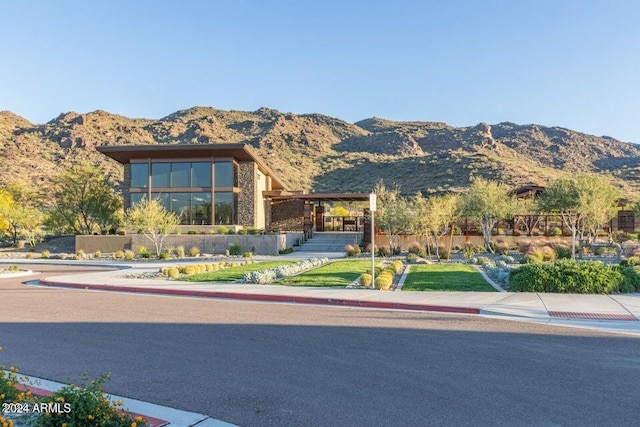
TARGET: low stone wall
(266,244)
(105,244)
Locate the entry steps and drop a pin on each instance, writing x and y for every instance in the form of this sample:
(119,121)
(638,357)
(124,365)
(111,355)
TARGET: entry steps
(328,241)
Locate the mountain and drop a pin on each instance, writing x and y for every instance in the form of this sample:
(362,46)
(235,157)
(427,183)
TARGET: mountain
(319,153)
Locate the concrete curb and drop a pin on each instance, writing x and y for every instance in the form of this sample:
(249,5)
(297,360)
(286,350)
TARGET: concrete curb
(24,273)
(160,415)
(343,302)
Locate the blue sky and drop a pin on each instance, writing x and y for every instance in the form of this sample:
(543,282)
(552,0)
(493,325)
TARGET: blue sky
(573,64)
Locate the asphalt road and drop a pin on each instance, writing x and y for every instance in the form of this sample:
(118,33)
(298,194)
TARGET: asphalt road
(257,364)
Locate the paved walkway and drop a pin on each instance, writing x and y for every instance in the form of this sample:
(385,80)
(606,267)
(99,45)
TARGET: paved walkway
(619,313)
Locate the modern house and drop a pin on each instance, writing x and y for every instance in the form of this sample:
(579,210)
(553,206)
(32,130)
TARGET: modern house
(227,184)
(212,184)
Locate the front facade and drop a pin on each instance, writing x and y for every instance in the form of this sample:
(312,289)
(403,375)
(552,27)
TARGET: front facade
(203,184)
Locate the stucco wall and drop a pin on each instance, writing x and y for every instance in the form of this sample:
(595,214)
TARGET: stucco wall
(106,244)
(126,193)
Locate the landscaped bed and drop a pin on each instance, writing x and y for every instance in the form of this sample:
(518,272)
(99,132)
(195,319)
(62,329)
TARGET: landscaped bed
(336,274)
(233,274)
(445,277)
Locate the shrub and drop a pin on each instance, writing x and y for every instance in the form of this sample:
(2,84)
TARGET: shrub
(231,231)
(348,249)
(173,273)
(189,270)
(118,254)
(365,280)
(383,283)
(13,268)
(531,259)
(469,252)
(562,252)
(502,247)
(97,254)
(194,251)
(45,254)
(416,249)
(631,261)
(191,232)
(180,252)
(247,254)
(144,252)
(384,251)
(255,231)
(87,403)
(215,267)
(548,254)
(80,253)
(235,249)
(412,257)
(443,252)
(129,255)
(285,251)
(243,231)
(555,231)
(163,255)
(587,277)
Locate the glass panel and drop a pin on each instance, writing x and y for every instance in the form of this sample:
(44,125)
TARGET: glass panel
(224,174)
(137,197)
(201,174)
(224,208)
(139,175)
(163,198)
(181,205)
(160,174)
(201,205)
(180,174)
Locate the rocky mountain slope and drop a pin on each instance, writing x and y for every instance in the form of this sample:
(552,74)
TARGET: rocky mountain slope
(325,154)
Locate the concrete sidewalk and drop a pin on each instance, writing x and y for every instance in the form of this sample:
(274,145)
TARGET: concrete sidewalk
(619,313)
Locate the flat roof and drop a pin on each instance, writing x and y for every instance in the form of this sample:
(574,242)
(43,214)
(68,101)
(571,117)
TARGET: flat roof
(319,196)
(242,152)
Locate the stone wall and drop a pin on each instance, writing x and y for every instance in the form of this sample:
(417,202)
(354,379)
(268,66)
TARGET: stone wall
(247,197)
(105,244)
(287,215)
(266,244)
(126,186)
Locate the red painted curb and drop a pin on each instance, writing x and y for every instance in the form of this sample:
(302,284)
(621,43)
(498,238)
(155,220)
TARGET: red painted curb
(269,298)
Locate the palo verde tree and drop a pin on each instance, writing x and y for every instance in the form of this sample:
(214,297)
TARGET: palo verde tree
(18,216)
(393,213)
(487,202)
(432,217)
(84,201)
(584,202)
(152,220)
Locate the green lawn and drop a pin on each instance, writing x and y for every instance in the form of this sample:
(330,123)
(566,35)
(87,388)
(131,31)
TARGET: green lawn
(445,277)
(335,274)
(231,274)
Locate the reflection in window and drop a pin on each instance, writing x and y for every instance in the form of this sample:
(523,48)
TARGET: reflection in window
(201,174)
(181,206)
(137,198)
(140,175)
(224,174)
(201,208)
(224,211)
(180,174)
(160,173)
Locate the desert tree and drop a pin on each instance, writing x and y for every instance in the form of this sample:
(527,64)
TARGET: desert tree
(433,217)
(487,202)
(84,201)
(150,218)
(393,213)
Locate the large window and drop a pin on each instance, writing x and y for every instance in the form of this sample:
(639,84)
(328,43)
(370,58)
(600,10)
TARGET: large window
(139,175)
(225,174)
(180,174)
(224,208)
(201,174)
(170,184)
(161,175)
(191,208)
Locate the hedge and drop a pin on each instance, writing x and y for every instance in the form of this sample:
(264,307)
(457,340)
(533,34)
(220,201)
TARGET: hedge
(569,276)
